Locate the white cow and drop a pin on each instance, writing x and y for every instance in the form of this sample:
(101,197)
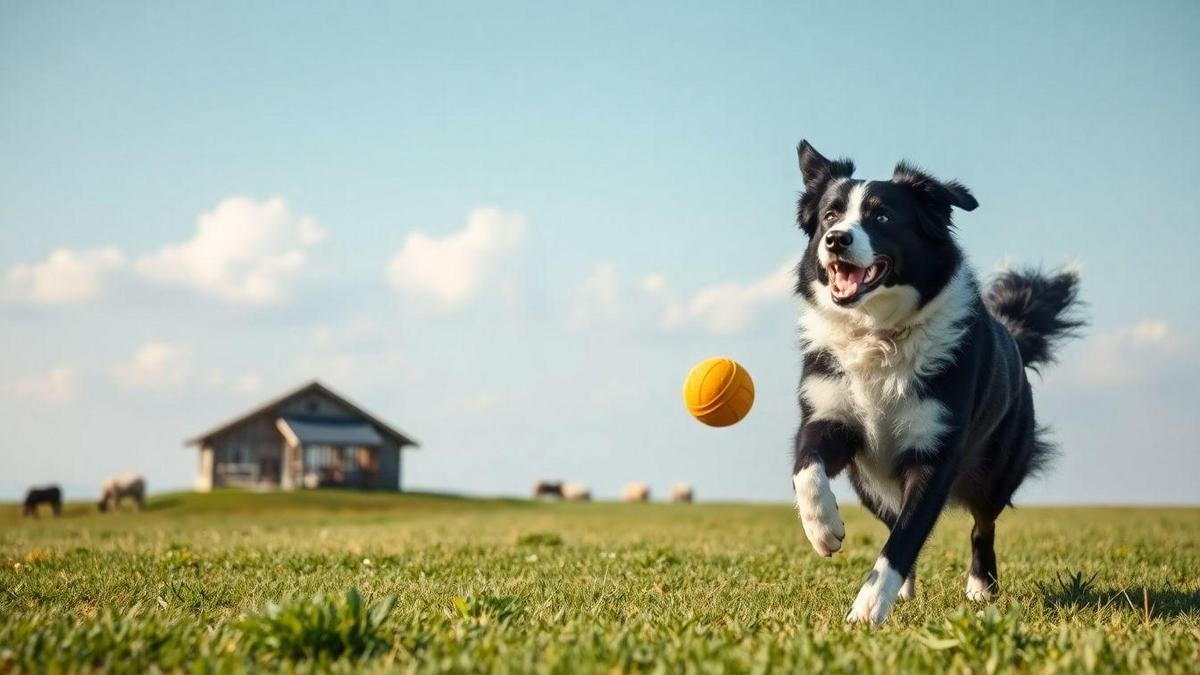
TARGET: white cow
(636,492)
(116,488)
(682,493)
(576,492)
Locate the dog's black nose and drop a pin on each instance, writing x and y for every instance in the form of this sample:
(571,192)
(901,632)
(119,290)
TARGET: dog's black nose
(838,240)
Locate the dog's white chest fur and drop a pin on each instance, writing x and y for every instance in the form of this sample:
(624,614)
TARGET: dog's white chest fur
(878,391)
(891,416)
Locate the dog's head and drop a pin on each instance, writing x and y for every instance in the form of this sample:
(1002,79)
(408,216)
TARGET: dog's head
(878,249)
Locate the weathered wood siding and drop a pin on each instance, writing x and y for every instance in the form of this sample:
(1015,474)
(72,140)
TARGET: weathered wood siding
(389,466)
(314,403)
(255,442)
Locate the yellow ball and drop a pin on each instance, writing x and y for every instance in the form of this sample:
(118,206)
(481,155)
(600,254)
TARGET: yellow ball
(718,392)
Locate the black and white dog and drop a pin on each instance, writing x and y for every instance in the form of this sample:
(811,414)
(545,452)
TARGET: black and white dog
(913,381)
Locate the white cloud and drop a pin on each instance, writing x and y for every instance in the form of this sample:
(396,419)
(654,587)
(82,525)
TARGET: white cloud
(156,366)
(598,300)
(58,385)
(1149,332)
(479,402)
(724,308)
(1142,352)
(332,367)
(66,276)
(243,251)
(354,332)
(451,270)
(654,283)
(249,383)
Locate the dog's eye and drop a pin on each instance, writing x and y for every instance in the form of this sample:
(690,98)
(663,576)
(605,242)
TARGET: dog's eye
(831,216)
(881,218)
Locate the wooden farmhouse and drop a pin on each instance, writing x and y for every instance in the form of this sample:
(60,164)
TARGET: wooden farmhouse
(311,437)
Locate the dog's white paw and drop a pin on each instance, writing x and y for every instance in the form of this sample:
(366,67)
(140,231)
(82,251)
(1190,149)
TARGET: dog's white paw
(877,595)
(908,591)
(979,590)
(818,510)
(825,531)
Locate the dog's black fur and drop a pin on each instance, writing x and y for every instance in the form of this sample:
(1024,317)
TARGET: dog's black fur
(958,358)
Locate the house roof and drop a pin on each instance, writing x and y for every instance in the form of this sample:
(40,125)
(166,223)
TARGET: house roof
(383,429)
(324,431)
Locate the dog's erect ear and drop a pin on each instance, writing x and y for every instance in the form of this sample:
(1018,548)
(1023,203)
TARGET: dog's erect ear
(813,165)
(817,172)
(936,198)
(963,198)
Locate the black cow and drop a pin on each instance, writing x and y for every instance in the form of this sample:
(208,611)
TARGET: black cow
(548,488)
(44,494)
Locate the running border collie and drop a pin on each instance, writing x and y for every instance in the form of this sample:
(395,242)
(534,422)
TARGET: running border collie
(913,381)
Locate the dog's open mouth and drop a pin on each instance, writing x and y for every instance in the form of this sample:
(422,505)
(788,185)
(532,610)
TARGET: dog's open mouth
(849,282)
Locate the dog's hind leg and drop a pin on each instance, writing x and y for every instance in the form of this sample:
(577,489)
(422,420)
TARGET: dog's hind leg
(982,579)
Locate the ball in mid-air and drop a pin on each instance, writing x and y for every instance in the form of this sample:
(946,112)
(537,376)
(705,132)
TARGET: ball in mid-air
(718,392)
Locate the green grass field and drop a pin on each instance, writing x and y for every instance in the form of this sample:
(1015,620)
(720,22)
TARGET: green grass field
(352,582)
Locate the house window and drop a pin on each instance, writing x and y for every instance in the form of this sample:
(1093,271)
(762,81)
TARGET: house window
(368,459)
(324,465)
(240,465)
(240,453)
(318,457)
(338,465)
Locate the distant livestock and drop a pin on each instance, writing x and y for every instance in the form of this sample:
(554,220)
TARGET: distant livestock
(636,492)
(547,488)
(576,492)
(116,488)
(42,494)
(682,493)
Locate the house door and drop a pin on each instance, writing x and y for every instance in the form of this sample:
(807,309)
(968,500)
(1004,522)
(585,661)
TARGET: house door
(367,464)
(269,470)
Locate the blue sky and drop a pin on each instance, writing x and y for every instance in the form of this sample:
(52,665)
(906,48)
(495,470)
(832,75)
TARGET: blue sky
(510,230)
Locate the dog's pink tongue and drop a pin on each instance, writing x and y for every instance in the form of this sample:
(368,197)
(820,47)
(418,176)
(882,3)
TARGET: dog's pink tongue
(846,279)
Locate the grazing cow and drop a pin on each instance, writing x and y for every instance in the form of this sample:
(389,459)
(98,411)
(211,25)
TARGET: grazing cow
(576,492)
(682,493)
(116,488)
(636,492)
(42,494)
(548,488)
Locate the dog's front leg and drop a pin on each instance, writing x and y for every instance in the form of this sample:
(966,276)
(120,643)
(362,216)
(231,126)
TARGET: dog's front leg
(823,448)
(926,488)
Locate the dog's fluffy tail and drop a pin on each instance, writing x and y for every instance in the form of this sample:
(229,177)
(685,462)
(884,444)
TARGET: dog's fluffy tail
(1039,309)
